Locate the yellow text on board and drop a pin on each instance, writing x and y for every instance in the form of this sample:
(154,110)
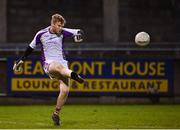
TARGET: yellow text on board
(29,69)
(125,85)
(91,85)
(34,84)
(97,68)
(83,68)
(138,68)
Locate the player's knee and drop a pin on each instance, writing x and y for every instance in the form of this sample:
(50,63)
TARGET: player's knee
(65,90)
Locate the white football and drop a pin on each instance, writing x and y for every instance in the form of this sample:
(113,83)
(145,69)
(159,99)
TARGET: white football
(142,39)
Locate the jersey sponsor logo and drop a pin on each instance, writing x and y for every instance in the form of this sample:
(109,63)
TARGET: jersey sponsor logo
(52,37)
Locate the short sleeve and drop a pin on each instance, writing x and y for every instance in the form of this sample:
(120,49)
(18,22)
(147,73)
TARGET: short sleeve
(33,43)
(36,40)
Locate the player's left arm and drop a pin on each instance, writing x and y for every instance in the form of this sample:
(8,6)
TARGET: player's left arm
(77,34)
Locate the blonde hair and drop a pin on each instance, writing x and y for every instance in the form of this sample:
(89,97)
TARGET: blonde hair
(58,18)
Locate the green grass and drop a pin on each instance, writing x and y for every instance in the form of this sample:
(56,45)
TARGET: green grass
(92,116)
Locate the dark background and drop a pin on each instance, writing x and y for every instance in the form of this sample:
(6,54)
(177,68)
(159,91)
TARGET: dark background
(160,18)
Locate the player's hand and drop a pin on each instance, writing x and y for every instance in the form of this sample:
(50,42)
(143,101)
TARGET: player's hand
(18,66)
(79,36)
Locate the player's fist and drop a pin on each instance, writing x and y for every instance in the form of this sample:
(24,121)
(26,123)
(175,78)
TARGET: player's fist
(18,65)
(79,36)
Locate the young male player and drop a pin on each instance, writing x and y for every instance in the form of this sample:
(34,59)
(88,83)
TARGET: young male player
(51,41)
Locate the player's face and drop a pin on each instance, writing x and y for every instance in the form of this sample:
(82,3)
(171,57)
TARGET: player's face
(57,27)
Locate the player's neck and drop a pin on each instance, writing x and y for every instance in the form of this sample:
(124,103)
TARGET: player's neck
(51,30)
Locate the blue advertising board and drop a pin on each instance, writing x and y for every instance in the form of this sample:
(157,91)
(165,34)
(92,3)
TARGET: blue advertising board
(103,76)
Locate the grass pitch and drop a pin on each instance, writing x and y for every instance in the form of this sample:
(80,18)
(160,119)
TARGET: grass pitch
(92,116)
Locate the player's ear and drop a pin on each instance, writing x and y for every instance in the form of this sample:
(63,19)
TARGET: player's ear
(52,23)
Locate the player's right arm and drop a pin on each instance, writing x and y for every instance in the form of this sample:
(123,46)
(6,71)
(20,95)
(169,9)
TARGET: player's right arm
(18,64)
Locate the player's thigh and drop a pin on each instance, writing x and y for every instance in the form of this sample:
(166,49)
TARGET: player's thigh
(55,70)
(55,67)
